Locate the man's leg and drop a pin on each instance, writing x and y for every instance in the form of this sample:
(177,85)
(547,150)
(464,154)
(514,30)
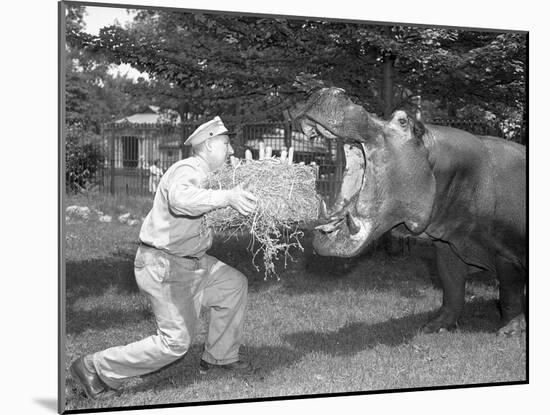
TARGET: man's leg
(170,284)
(225,294)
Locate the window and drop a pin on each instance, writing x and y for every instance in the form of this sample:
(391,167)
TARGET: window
(130,151)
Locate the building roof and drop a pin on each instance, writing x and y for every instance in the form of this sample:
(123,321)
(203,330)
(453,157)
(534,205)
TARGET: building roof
(151,115)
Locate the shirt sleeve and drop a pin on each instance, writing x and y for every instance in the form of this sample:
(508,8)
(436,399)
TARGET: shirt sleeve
(186,197)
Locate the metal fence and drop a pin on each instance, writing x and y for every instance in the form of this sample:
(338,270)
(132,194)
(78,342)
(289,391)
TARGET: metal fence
(131,149)
(493,128)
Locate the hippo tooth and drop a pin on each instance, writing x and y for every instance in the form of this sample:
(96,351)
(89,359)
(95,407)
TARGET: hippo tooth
(323,209)
(329,227)
(352,225)
(364,231)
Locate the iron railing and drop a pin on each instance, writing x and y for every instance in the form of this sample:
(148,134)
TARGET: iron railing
(131,149)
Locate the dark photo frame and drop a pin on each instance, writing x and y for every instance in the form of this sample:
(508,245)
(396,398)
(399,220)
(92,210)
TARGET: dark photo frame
(323,323)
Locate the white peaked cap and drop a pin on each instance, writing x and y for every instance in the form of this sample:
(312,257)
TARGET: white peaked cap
(207,130)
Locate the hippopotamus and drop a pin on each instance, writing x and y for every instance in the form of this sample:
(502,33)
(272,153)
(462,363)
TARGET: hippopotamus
(466,193)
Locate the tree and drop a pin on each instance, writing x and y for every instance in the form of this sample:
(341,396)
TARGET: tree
(257,66)
(93,95)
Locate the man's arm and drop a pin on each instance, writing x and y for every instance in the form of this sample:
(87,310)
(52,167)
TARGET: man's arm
(186,197)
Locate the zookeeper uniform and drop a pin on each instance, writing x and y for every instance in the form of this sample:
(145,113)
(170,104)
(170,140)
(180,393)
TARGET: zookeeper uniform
(174,272)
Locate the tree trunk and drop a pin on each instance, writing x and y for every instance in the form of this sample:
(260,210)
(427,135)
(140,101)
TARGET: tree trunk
(387,85)
(451,110)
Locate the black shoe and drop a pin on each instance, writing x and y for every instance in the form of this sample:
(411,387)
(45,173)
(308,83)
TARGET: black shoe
(239,366)
(93,386)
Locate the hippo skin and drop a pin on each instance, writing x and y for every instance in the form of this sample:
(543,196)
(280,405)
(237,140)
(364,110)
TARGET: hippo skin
(464,192)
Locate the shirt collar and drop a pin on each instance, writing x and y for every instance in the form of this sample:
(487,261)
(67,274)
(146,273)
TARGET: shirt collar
(203,164)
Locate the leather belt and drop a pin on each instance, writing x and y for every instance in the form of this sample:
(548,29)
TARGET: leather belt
(194,258)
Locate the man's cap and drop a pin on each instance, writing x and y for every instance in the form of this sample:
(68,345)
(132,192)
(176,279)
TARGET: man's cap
(207,130)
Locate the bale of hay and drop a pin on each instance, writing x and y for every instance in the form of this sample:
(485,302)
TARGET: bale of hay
(287,201)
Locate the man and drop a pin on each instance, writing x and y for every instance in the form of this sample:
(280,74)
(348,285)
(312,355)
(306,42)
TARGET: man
(174,272)
(155,173)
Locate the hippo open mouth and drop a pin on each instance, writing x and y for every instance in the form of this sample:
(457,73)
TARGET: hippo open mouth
(341,223)
(340,216)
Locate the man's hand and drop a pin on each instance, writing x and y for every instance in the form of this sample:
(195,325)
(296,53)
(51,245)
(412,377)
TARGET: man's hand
(241,200)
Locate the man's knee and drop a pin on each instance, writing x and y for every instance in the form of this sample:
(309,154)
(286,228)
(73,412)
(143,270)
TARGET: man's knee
(175,346)
(232,277)
(238,279)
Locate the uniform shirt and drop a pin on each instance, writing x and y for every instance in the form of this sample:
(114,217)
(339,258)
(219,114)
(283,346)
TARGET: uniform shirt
(174,222)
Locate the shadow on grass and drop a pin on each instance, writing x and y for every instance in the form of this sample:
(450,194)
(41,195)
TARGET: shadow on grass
(185,371)
(359,336)
(103,319)
(375,270)
(309,273)
(405,273)
(94,277)
(479,316)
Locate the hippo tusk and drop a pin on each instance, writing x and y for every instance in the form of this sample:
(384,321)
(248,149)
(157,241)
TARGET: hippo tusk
(323,210)
(353,227)
(365,156)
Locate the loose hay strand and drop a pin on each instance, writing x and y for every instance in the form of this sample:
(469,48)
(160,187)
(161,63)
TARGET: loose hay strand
(287,200)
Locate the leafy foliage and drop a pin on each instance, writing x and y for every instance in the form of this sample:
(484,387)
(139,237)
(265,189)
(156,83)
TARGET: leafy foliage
(93,95)
(254,67)
(82,160)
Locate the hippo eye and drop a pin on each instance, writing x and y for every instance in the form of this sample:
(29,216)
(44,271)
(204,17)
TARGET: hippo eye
(403,121)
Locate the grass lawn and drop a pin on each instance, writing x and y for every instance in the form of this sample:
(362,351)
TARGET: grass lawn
(327,326)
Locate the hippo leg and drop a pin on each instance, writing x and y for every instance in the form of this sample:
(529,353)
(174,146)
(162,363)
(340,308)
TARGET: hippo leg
(452,274)
(512,296)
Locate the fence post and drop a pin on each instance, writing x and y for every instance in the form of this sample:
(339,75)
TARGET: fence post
(141,163)
(288,134)
(112,144)
(141,180)
(340,160)
(182,140)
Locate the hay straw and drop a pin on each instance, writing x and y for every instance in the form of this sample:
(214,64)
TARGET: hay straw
(287,200)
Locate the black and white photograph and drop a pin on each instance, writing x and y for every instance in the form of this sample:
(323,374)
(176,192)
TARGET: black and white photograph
(267,207)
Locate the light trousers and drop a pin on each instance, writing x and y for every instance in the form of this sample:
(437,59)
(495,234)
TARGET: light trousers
(176,289)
